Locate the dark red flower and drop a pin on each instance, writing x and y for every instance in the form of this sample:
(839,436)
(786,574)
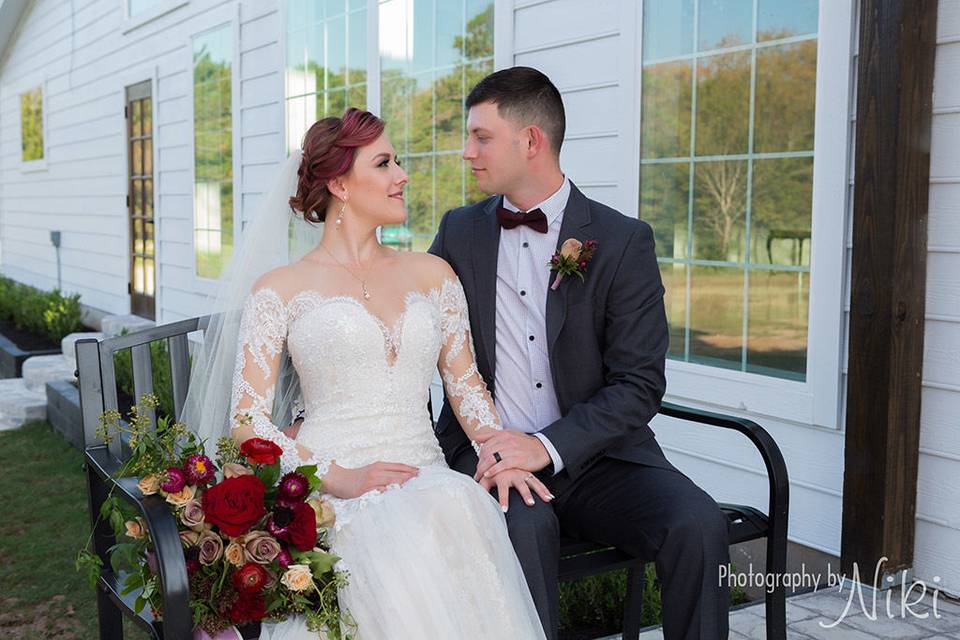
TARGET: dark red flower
(235,504)
(293,487)
(174,481)
(295,524)
(260,451)
(199,469)
(248,608)
(284,558)
(250,578)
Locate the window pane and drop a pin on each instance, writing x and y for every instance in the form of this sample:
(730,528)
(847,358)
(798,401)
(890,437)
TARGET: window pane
(725,23)
(782,211)
(674,276)
(664,203)
(138,244)
(31,125)
(136,119)
(719,210)
(147,157)
(716,315)
(213,157)
(136,159)
(786,18)
(147,117)
(786,97)
(723,104)
(665,110)
(336,51)
(297,65)
(423,85)
(777,337)
(357,47)
(667,28)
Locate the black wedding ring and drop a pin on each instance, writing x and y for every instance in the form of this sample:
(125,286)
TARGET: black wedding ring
(496,456)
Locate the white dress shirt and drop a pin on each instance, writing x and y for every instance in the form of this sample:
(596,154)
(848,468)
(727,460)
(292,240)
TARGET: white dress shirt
(525,398)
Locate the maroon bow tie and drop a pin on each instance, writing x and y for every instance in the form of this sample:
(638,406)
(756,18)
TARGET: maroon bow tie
(535,219)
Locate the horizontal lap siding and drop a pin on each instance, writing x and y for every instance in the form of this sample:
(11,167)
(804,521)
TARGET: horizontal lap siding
(86,60)
(938,513)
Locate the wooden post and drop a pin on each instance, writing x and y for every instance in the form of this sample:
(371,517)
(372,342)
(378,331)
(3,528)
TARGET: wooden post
(892,182)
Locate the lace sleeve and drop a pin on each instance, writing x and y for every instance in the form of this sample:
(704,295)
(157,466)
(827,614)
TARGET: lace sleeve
(465,388)
(263,332)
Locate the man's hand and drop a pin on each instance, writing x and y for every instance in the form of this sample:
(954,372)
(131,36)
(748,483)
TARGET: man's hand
(523,481)
(516,450)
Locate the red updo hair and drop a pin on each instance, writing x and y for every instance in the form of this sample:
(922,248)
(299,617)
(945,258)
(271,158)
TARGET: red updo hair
(329,148)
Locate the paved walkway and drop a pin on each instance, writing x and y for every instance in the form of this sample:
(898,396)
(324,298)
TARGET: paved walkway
(809,614)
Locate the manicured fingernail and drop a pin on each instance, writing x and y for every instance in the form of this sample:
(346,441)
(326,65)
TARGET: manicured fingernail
(530,502)
(504,508)
(552,497)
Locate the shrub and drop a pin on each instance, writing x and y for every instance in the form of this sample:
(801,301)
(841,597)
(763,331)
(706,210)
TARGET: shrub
(44,313)
(162,375)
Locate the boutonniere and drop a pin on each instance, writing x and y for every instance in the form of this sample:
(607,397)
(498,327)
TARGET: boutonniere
(572,259)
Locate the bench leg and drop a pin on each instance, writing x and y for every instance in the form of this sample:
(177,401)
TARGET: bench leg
(776,613)
(109,617)
(633,603)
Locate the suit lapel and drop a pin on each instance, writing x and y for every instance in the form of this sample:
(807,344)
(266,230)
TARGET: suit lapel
(576,215)
(486,248)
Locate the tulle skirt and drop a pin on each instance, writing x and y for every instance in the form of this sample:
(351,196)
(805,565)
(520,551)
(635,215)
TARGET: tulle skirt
(428,560)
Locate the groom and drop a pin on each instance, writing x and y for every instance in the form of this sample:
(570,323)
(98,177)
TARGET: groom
(577,371)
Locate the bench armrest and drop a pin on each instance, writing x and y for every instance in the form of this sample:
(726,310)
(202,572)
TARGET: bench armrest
(174,584)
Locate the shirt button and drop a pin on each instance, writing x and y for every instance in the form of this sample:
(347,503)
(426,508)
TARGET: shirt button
(523,293)
(526,244)
(531,338)
(539,385)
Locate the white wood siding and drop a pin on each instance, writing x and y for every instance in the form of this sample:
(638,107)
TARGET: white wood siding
(86,61)
(937,546)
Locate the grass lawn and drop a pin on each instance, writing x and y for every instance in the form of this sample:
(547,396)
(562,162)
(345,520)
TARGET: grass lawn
(45,524)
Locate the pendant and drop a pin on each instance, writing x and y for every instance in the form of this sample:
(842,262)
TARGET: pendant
(366,294)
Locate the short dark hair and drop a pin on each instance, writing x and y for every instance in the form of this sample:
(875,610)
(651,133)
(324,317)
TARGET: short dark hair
(526,96)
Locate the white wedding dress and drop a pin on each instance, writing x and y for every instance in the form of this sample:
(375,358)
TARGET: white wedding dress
(428,560)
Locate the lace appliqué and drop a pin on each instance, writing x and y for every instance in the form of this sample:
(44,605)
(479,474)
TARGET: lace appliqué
(465,387)
(263,331)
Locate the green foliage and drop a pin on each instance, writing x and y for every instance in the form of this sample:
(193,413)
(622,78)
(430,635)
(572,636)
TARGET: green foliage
(162,374)
(597,602)
(31,124)
(45,313)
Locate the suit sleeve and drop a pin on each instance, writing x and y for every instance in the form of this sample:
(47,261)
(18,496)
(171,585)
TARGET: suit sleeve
(634,351)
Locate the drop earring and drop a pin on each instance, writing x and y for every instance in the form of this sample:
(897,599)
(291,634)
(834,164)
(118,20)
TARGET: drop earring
(340,215)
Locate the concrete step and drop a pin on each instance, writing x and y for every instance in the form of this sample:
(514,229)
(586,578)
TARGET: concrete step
(19,404)
(68,348)
(113,325)
(39,370)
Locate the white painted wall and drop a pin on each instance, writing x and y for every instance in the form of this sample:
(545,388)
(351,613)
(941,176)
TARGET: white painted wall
(937,545)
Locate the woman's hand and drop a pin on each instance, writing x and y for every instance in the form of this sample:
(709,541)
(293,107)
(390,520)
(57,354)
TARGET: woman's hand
(351,483)
(525,483)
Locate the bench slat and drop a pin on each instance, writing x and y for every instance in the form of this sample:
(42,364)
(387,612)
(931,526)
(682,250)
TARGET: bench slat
(179,371)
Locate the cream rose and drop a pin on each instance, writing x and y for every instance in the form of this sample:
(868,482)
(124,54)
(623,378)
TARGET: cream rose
(192,515)
(261,547)
(297,577)
(234,553)
(136,529)
(325,513)
(571,248)
(149,485)
(189,538)
(233,470)
(182,497)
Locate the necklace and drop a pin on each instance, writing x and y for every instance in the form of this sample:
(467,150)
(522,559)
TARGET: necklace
(363,283)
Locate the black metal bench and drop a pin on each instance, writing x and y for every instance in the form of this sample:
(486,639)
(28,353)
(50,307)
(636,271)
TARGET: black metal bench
(98,392)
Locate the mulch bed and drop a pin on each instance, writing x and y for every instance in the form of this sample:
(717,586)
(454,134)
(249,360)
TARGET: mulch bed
(26,340)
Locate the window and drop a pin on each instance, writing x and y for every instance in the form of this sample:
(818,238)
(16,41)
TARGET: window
(213,150)
(726,179)
(31,125)
(326,68)
(432,52)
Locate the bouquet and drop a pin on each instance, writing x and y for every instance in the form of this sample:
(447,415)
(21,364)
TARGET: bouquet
(255,543)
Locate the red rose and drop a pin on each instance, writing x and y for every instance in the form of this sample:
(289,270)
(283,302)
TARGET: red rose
(250,578)
(235,504)
(248,608)
(294,524)
(260,451)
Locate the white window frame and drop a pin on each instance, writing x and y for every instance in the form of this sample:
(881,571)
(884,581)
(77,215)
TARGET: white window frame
(134,22)
(815,401)
(229,15)
(18,89)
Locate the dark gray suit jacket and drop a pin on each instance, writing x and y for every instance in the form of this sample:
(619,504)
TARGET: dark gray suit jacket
(607,335)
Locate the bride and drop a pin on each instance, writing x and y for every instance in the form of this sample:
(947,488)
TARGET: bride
(357,330)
